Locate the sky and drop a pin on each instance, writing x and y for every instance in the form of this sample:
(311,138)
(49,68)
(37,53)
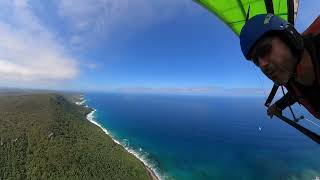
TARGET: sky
(126,46)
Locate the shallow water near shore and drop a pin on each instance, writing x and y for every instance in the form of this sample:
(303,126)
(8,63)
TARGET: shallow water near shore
(194,137)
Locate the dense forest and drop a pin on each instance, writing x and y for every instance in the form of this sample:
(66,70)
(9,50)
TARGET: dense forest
(45,136)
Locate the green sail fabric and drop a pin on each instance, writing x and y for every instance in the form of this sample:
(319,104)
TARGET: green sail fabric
(234,12)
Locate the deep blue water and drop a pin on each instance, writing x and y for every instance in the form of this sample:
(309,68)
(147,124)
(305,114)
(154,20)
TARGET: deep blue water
(193,137)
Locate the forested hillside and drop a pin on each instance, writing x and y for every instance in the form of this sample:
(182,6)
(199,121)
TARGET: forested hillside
(44,136)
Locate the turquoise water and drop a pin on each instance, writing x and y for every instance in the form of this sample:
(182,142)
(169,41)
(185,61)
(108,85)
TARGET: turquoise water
(193,137)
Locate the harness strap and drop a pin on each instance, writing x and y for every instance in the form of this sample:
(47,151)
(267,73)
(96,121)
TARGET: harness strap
(271,95)
(305,103)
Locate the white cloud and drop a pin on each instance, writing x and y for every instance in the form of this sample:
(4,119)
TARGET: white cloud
(103,18)
(29,52)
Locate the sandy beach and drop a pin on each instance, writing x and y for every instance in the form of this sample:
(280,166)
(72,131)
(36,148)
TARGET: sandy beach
(152,174)
(90,117)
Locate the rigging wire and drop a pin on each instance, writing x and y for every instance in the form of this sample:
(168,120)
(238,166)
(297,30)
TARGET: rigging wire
(312,122)
(302,117)
(261,83)
(264,91)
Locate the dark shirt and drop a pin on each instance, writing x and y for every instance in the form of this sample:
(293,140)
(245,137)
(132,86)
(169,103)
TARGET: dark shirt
(311,94)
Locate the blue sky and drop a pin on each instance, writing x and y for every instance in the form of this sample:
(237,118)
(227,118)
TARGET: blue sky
(127,46)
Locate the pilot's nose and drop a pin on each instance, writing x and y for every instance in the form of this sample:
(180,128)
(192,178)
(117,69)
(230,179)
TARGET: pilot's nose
(263,62)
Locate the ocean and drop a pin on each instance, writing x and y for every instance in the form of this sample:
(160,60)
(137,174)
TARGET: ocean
(199,137)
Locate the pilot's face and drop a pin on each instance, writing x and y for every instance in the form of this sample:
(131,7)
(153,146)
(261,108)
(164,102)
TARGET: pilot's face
(275,59)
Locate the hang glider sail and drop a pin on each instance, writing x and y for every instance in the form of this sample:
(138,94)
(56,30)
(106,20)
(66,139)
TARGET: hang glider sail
(235,12)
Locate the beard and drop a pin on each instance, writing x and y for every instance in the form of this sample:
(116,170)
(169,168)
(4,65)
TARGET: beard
(281,78)
(281,74)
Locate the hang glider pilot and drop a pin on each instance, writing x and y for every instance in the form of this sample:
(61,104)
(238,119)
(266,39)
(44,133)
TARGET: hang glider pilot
(287,58)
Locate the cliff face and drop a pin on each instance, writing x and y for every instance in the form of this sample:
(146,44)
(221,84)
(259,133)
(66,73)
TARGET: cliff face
(44,136)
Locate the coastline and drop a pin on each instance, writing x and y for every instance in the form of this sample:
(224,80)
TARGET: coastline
(90,117)
(151,173)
